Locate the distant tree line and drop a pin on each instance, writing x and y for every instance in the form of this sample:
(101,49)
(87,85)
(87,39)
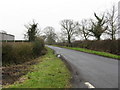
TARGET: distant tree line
(105,24)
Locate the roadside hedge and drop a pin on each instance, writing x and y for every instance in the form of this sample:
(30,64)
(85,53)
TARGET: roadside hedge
(111,46)
(20,52)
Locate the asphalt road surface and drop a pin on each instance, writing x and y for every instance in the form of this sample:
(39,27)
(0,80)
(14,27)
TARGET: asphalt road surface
(90,70)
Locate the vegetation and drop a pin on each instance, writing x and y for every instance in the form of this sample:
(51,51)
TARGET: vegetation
(110,46)
(49,73)
(32,32)
(112,17)
(95,33)
(83,29)
(38,47)
(94,52)
(97,29)
(69,28)
(50,35)
(15,53)
(104,27)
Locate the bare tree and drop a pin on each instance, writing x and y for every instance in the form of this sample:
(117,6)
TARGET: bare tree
(60,37)
(119,20)
(112,22)
(69,28)
(50,34)
(98,27)
(84,29)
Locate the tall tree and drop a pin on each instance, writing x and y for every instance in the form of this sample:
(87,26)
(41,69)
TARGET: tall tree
(98,28)
(32,32)
(112,22)
(50,35)
(84,29)
(61,38)
(69,28)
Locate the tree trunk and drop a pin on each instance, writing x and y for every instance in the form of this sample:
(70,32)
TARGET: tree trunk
(98,38)
(69,39)
(85,38)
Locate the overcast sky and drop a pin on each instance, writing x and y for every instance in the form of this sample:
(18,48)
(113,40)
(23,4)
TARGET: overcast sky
(14,14)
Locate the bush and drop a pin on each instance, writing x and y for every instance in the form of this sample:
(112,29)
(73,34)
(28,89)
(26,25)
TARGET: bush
(38,47)
(110,46)
(7,53)
(19,52)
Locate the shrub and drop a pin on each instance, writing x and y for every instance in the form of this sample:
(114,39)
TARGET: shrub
(38,47)
(7,53)
(20,52)
(110,46)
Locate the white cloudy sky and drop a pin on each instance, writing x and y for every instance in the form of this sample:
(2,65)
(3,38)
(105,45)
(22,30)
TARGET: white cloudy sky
(14,14)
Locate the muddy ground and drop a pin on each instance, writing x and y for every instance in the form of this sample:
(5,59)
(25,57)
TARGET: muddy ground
(11,74)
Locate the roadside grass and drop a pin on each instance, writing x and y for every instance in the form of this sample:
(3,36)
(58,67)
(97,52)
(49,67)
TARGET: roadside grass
(105,54)
(50,72)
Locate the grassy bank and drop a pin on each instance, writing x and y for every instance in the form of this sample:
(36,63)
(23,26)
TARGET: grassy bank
(110,46)
(50,72)
(105,54)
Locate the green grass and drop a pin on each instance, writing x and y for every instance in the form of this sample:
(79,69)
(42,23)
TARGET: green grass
(105,54)
(51,72)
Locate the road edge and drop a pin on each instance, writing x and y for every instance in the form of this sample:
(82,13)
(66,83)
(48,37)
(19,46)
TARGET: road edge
(76,80)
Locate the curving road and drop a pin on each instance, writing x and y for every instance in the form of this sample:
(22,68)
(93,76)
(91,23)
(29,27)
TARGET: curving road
(98,71)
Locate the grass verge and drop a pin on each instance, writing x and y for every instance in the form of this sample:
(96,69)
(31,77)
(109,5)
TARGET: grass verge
(50,72)
(105,54)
